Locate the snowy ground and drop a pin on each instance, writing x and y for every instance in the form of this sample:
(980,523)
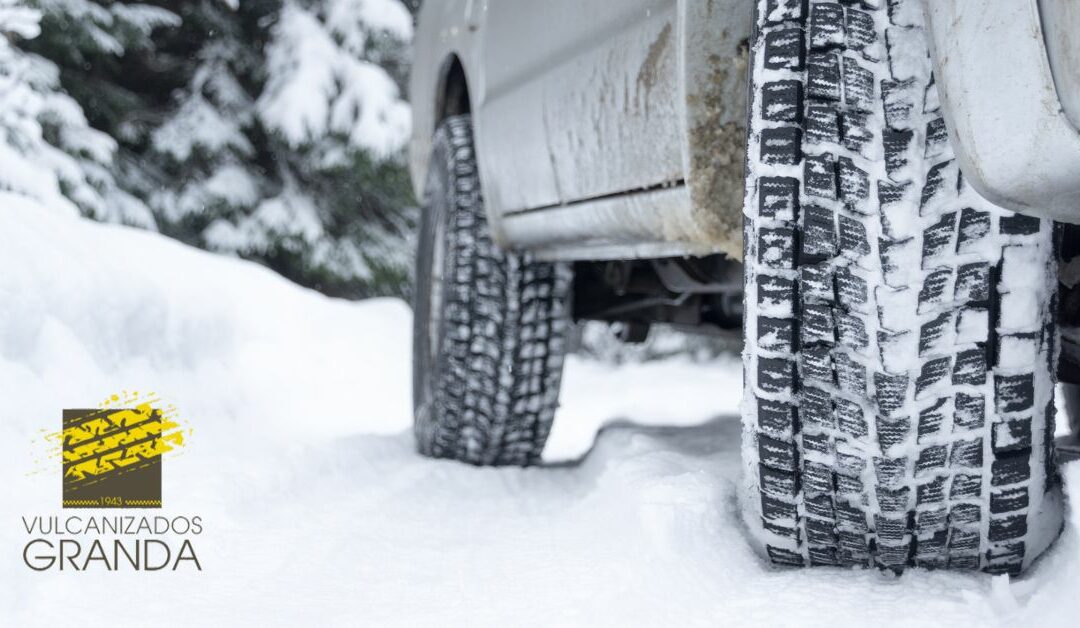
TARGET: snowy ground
(317,511)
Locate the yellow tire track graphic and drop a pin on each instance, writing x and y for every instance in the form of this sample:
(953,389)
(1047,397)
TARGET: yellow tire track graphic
(111,456)
(108,441)
(95,479)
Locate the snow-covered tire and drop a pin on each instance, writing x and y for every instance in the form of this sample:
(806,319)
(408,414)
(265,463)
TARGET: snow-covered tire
(489,325)
(899,337)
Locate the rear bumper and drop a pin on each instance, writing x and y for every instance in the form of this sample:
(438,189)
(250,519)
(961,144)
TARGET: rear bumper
(1008,74)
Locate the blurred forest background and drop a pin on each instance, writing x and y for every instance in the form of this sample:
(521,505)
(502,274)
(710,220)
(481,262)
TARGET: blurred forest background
(274,130)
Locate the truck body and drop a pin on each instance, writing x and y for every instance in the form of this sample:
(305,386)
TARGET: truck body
(616,130)
(878,199)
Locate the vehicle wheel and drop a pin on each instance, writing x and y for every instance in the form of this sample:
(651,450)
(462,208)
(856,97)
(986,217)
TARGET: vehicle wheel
(488,325)
(899,333)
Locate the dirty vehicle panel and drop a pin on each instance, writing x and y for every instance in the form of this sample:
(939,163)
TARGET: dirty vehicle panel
(604,130)
(600,81)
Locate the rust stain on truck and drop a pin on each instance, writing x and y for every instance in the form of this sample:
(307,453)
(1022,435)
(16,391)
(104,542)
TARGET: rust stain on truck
(647,74)
(717,145)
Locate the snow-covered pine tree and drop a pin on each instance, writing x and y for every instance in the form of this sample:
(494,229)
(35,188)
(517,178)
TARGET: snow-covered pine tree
(47,148)
(335,129)
(267,129)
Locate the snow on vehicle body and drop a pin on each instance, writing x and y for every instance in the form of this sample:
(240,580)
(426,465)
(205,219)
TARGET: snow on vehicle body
(836,181)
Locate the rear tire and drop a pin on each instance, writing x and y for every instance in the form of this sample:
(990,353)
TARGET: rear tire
(488,326)
(900,345)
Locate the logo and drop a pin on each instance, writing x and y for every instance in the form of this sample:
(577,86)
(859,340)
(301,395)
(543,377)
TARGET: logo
(113,457)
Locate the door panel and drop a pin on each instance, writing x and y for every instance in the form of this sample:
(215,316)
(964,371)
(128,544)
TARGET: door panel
(578,99)
(612,112)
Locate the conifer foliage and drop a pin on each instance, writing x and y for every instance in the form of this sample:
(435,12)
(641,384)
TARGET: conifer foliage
(269,129)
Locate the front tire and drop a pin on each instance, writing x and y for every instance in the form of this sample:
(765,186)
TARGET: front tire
(900,345)
(488,326)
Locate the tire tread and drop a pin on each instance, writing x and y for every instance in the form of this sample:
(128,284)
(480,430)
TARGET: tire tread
(914,438)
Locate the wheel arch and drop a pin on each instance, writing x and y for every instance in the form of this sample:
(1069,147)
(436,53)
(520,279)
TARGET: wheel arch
(441,94)
(452,95)
(1017,145)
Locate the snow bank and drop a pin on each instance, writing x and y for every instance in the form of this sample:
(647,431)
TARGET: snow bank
(89,308)
(317,510)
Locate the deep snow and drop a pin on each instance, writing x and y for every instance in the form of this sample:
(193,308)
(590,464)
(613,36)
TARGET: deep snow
(317,510)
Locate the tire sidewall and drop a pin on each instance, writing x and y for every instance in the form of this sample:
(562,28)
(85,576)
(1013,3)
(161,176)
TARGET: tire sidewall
(436,213)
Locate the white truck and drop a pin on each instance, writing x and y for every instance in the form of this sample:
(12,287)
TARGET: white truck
(875,193)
